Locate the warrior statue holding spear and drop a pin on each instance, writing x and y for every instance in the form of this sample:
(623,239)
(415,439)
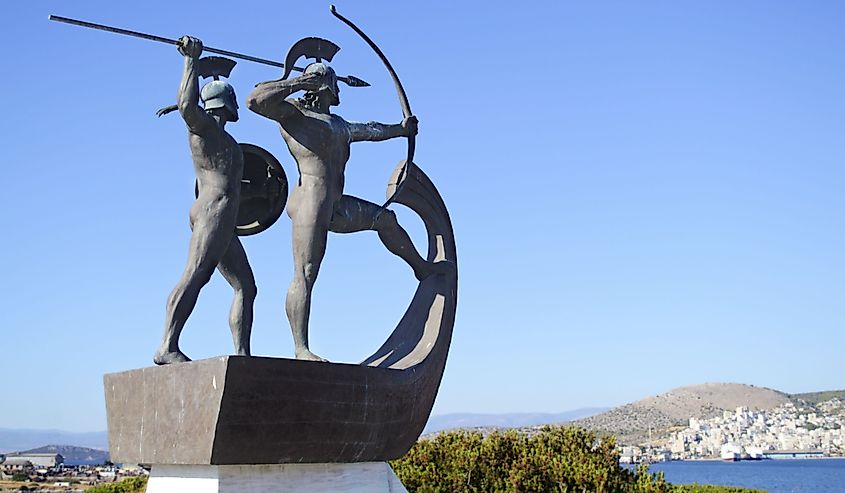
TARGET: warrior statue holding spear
(218,162)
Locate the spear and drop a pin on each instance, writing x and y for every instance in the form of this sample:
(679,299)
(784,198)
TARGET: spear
(349,80)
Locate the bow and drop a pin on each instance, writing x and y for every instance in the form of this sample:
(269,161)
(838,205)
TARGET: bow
(403,99)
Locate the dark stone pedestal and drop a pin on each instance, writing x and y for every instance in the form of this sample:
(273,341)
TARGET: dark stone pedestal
(240,410)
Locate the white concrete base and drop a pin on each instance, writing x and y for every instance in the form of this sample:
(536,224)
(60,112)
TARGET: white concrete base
(363,477)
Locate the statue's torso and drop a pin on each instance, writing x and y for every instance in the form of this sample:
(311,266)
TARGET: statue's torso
(218,162)
(319,142)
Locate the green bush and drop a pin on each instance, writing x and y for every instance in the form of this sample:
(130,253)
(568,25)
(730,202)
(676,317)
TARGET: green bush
(557,459)
(128,485)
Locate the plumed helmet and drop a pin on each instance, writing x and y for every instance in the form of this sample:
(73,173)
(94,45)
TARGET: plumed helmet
(326,71)
(219,94)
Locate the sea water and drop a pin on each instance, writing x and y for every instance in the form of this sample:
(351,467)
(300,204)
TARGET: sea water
(775,476)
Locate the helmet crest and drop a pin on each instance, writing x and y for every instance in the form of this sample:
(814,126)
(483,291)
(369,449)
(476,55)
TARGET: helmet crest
(217,93)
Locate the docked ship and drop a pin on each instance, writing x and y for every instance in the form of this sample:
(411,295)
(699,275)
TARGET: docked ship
(731,452)
(753,453)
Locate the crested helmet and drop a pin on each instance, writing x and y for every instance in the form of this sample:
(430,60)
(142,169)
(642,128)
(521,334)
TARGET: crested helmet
(219,94)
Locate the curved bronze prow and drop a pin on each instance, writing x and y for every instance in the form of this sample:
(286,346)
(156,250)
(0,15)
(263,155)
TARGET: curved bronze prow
(419,345)
(425,331)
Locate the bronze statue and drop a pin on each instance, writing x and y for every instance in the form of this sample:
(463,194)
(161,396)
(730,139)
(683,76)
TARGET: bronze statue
(219,163)
(237,410)
(320,143)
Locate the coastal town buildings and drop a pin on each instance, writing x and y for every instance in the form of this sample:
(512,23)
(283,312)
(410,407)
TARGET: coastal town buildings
(785,431)
(19,470)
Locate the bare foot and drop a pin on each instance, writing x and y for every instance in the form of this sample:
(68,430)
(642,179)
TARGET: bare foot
(168,357)
(443,267)
(308,355)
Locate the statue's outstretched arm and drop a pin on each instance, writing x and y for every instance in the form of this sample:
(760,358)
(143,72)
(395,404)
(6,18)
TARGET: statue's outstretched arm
(189,94)
(375,131)
(269,99)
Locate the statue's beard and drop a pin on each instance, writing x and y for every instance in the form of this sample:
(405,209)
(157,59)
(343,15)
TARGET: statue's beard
(311,100)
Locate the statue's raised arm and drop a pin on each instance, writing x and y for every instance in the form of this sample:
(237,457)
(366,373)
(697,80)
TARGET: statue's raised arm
(270,99)
(189,94)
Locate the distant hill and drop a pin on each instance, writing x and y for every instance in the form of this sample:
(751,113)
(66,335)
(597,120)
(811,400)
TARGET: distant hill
(631,423)
(814,398)
(443,422)
(13,440)
(73,455)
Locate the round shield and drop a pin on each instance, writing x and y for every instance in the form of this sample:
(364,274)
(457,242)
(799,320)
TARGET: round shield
(264,191)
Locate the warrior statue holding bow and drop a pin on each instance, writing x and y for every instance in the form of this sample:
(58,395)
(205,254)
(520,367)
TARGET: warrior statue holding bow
(320,142)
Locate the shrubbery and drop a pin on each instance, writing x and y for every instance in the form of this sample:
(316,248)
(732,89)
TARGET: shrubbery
(128,485)
(557,459)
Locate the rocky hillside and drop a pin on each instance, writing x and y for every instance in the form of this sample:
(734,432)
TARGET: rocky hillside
(660,413)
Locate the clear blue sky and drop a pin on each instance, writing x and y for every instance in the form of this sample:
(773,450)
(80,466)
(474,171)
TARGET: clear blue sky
(645,194)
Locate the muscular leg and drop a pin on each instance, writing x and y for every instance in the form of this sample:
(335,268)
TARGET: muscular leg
(353,214)
(309,246)
(209,241)
(235,268)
